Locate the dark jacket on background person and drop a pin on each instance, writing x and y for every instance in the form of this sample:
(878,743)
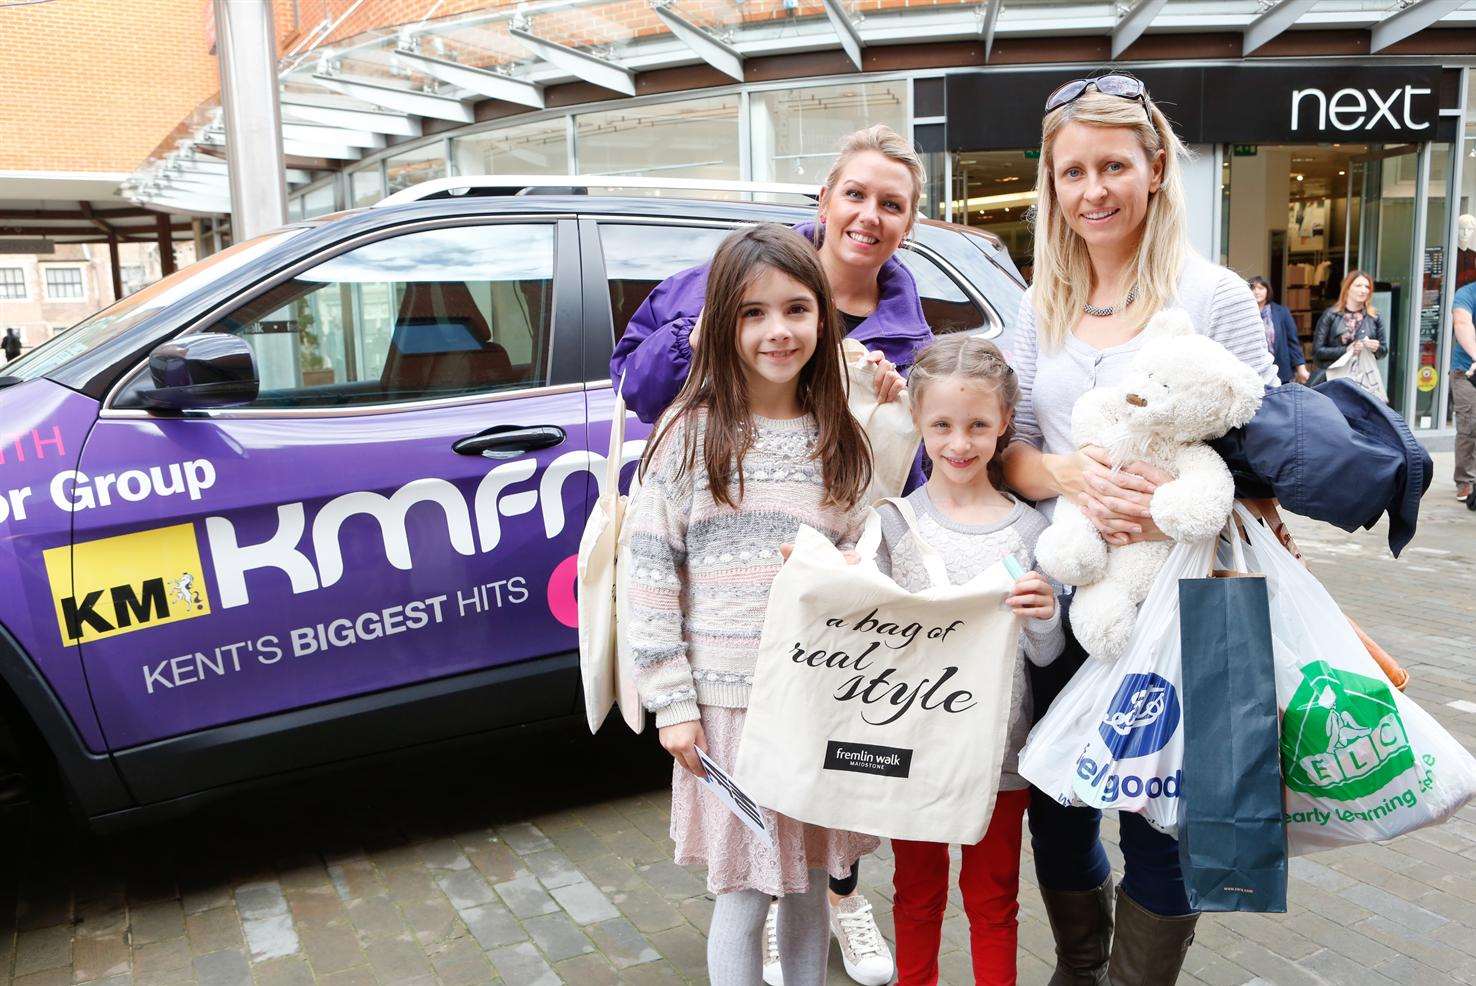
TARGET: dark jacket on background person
(1287,350)
(1327,342)
(1334,453)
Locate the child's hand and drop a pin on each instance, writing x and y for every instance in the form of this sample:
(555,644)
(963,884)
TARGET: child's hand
(1032,598)
(682,740)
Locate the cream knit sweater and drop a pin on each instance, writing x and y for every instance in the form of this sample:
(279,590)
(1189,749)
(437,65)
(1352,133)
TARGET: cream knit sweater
(700,572)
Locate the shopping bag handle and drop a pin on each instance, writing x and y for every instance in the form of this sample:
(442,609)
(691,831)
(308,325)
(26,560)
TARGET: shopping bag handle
(870,540)
(617,442)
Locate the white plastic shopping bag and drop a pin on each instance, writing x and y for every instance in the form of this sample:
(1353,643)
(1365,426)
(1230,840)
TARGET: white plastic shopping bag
(604,660)
(889,427)
(875,709)
(1113,737)
(1361,762)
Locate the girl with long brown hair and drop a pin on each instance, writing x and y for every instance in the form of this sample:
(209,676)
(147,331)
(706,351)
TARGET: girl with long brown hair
(758,442)
(1353,323)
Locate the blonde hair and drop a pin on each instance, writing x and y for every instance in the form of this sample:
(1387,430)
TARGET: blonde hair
(880,139)
(977,362)
(1348,280)
(1063,272)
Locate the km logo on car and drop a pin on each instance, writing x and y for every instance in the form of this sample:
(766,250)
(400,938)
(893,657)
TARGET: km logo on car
(125,583)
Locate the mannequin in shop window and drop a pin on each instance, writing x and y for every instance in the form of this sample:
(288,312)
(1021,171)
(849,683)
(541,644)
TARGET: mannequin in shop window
(1281,333)
(1465,250)
(1350,325)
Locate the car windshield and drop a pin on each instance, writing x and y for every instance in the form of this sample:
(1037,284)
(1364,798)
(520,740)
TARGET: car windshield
(118,318)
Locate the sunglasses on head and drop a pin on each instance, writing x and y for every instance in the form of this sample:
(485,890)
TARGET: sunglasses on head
(1121,86)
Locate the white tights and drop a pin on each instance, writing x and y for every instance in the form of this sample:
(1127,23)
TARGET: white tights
(735,939)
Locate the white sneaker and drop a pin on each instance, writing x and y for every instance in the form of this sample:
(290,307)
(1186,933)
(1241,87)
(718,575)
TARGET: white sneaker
(867,958)
(773,972)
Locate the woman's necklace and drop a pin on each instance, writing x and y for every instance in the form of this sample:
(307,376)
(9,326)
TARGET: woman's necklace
(1098,311)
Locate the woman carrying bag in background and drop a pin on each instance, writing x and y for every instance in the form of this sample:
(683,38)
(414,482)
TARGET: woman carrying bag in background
(1110,252)
(1350,326)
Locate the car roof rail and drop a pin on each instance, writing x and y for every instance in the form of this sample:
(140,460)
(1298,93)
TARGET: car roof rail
(438,188)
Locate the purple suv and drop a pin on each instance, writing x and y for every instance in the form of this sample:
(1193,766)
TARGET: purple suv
(319,496)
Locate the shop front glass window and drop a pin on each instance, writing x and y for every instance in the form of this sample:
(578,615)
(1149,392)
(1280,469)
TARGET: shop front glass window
(366,187)
(795,132)
(1464,264)
(695,138)
(995,190)
(531,149)
(413,167)
(318,202)
(1433,261)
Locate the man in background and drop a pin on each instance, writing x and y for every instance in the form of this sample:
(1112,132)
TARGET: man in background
(1463,393)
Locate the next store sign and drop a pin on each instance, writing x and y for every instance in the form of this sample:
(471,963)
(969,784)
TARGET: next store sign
(1237,104)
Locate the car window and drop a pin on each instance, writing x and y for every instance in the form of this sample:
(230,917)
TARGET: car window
(133,310)
(435,313)
(639,257)
(945,305)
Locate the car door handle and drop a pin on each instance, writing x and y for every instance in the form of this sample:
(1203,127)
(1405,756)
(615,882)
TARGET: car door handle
(510,441)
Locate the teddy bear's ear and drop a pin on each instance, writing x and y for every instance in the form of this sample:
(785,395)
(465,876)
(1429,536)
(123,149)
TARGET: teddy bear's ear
(1169,322)
(1244,396)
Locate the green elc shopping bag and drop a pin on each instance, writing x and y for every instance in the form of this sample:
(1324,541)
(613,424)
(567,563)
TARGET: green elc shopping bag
(1232,826)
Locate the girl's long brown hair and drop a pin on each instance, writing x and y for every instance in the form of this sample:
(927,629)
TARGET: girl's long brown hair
(717,383)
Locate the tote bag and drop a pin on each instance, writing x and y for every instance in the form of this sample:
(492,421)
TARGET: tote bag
(875,709)
(894,438)
(1363,368)
(604,660)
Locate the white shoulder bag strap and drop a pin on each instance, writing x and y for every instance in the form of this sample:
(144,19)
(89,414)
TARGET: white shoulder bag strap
(870,540)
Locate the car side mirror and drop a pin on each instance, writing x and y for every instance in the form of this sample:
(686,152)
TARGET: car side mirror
(201,371)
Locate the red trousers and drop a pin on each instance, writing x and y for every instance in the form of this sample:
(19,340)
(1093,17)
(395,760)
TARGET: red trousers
(990,884)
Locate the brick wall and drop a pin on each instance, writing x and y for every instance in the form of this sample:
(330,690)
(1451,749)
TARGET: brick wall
(93,85)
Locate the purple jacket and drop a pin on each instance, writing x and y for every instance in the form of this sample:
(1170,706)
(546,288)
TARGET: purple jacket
(655,357)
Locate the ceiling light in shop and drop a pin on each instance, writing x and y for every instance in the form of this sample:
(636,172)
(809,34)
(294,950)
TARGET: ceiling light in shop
(1342,173)
(1300,177)
(996,201)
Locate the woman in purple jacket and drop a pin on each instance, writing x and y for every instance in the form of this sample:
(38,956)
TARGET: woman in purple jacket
(867,207)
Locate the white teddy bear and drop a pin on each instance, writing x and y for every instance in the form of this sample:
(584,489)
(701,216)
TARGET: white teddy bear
(1182,389)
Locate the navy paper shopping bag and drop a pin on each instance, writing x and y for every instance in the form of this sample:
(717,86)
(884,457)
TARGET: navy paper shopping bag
(1232,828)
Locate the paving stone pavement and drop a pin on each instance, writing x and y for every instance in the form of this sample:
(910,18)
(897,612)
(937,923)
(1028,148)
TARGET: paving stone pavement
(545,858)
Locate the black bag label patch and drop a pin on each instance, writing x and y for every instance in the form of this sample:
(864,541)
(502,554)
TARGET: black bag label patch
(864,758)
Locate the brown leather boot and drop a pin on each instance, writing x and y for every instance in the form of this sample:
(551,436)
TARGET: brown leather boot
(1082,923)
(1148,949)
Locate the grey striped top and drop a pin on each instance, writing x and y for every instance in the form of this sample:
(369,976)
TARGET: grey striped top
(1217,301)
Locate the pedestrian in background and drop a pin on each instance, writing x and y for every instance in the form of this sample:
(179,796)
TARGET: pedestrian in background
(1282,338)
(1463,393)
(1351,324)
(760,441)
(11,345)
(1111,251)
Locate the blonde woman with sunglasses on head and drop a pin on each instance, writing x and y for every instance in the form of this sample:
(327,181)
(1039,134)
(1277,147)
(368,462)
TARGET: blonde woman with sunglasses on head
(1110,252)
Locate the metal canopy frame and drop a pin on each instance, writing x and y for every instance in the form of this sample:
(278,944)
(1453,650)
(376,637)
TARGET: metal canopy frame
(1415,15)
(403,100)
(988,18)
(845,31)
(1271,22)
(1133,23)
(719,54)
(493,85)
(376,120)
(602,72)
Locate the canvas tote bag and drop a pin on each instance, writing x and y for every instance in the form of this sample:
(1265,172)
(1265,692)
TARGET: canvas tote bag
(875,709)
(604,660)
(894,439)
(1363,367)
